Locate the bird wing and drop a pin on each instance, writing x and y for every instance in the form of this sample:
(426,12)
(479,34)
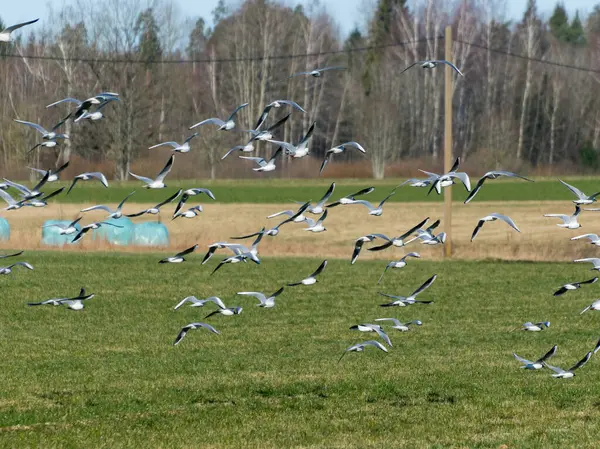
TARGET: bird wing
(556,369)
(237,148)
(357,247)
(592,237)
(506,219)
(582,362)
(324,163)
(279,123)
(323,217)
(448,63)
(289,213)
(509,174)
(387,197)
(218,301)
(522,360)
(42,172)
(394,320)
(123,201)
(364,203)
(324,69)
(277,153)
(258,295)
(169,199)
(383,335)
(187,251)
(66,100)
(191,137)
(4,256)
(61,168)
(413,229)
(575,190)
(308,134)
(325,197)
(12,28)
(72,185)
(39,128)
(171,144)
(590,281)
(142,178)
(6,197)
(213,121)
(320,269)
(277,293)
(356,145)
(191,299)
(100,177)
(425,285)
(473,192)
(291,103)
(236,111)
(464,179)
(361,192)
(259,160)
(43,181)
(594,260)
(167,168)
(547,355)
(412,65)
(455,165)
(374,343)
(50,195)
(564,218)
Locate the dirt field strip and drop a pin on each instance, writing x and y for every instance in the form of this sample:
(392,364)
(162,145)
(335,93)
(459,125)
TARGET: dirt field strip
(540,238)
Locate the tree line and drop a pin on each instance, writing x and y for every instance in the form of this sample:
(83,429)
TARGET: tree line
(523,102)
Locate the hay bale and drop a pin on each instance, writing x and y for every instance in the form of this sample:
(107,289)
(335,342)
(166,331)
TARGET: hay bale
(4,229)
(51,236)
(150,234)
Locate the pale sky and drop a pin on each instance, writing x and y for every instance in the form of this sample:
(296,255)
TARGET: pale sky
(347,13)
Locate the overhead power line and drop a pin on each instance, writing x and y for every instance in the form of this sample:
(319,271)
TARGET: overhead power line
(527,58)
(224,60)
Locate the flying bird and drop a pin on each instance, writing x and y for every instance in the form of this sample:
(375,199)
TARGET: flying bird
(398,325)
(185,329)
(359,242)
(593,238)
(43,201)
(156,209)
(398,264)
(83,110)
(535,327)
(8,270)
(227,311)
(223,125)
(265,301)
(177,148)
(319,207)
(538,364)
(266,134)
(568,373)
(582,198)
(157,183)
(5,256)
(26,193)
(375,211)
(113,213)
(447,179)
(430,64)
(574,286)
(248,148)
(360,347)
(195,302)
(316,226)
(264,165)
(568,221)
(593,306)
(495,174)
(351,199)
(92,226)
(75,303)
(493,217)
(53,175)
(241,257)
(373,328)
(594,260)
(5,34)
(317,72)
(67,229)
(401,240)
(189,213)
(179,257)
(312,279)
(403,301)
(300,149)
(340,149)
(86,177)
(276,104)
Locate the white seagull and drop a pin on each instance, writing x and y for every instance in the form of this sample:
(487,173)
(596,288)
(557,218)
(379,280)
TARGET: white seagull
(317,72)
(350,199)
(495,174)
(538,364)
(189,213)
(398,325)
(157,183)
(223,125)
(156,209)
(359,242)
(593,306)
(340,149)
(177,148)
(265,301)
(178,258)
(192,192)
(113,213)
(367,327)
(241,257)
(264,165)
(49,136)
(43,202)
(8,270)
(574,286)
(12,204)
(582,198)
(403,301)
(535,327)
(447,179)
(195,302)
(72,303)
(431,63)
(568,221)
(92,226)
(86,177)
(375,211)
(5,34)
(312,279)
(594,260)
(493,217)
(316,226)
(276,104)
(68,229)
(398,264)
(568,373)
(319,207)
(248,148)
(360,347)
(26,193)
(236,248)
(400,241)
(301,148)
(52,174)
(185,329)
(266,134)
(227,311)
(593,238)
(83,107)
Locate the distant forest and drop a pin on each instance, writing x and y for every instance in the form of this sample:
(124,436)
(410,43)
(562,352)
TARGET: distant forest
(530,97)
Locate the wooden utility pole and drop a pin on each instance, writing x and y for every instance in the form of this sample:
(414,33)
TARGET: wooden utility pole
(448,142)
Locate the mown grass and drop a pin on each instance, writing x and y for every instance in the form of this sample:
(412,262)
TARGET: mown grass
(108,376)
(285,190)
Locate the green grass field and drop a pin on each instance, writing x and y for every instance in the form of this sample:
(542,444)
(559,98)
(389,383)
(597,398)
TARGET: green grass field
(284,190)
(108,376)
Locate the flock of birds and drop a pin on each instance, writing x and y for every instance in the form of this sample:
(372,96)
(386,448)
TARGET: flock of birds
(91,109)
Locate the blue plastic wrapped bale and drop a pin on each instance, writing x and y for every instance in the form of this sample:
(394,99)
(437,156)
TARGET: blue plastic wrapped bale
(51,235)
(119,234)
(150,234)
(4,229)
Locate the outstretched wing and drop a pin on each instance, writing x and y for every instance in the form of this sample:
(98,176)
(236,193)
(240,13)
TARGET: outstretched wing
(425,285)
(167,168)
(582,362)
(547,355)
(320,269)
